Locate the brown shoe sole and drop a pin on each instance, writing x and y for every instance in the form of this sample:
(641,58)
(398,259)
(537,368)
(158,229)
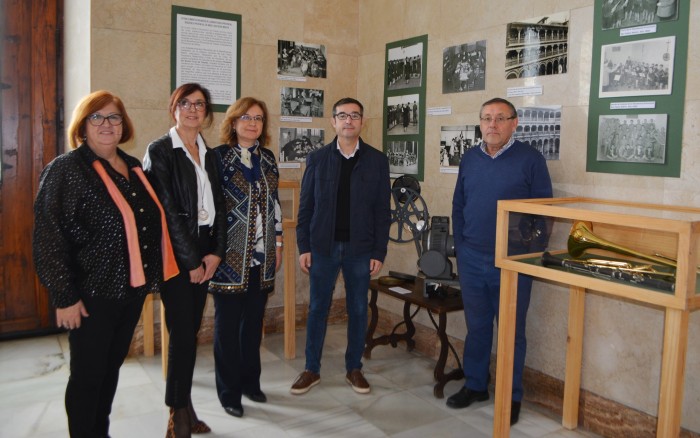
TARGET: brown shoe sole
(300,391)
(357,389)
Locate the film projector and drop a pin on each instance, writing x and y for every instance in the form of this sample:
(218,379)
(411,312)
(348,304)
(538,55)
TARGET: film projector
(410,222)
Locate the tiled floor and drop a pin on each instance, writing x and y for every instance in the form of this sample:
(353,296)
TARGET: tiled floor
(33,375)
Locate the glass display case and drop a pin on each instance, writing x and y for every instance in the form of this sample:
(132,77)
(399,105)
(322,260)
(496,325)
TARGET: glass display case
(646,253)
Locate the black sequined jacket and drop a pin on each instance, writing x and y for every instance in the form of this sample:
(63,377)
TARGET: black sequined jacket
(174,179)
(79,240)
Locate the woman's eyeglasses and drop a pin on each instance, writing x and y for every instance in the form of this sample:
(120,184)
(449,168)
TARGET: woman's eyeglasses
(98,119)
(198,105)
(249,118)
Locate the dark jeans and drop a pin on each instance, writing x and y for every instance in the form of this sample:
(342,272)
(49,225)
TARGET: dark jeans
(323,275)
(97,351)
(184,304)
(480,282)
(237,336)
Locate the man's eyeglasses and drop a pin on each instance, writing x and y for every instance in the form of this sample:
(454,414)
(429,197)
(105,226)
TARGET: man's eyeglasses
(249,118)
(344,116)
(98,119)
(499,119)
(198,105)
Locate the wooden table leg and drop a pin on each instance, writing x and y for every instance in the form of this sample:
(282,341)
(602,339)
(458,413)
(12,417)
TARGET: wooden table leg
(410,329)
(369,341)
(505,354)
(574,354)
(672,372)
(392,338)
(439,372)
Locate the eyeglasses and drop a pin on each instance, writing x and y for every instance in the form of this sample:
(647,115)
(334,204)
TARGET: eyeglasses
(249,118)
(344,116)
(198,105)
(499,119)
(98,119)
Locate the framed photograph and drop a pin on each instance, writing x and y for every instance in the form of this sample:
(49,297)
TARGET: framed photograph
(640,81)
(203,42)
(402,114)
(632,138)
(454,142)
(403,157)
(405,67)
(629,13)
(538,46)
(464,68)
(297,143)
(304,102)
(403,134)
(297,59)
(637,68)
(540,127)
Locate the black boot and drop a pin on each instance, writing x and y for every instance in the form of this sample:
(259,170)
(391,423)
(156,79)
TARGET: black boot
(196,425)
(178,424)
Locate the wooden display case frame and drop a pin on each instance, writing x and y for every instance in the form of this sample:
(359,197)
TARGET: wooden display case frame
(646,228)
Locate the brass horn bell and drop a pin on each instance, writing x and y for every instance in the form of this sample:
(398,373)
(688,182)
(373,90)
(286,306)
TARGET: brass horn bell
(581,239)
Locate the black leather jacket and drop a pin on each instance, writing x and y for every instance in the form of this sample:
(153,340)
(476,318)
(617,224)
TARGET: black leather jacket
(174,179)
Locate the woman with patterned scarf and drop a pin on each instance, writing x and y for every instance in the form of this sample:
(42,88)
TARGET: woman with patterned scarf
(253,252)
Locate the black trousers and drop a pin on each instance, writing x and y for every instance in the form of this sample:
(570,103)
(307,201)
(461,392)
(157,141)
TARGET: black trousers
(97,351)
(184,304)
(237,336)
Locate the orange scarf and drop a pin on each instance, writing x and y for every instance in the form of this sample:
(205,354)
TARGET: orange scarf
(138,278)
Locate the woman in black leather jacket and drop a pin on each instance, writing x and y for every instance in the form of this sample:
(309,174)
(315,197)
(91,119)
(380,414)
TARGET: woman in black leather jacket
(185,176)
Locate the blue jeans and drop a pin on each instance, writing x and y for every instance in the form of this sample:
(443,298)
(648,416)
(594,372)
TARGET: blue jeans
(323,275)
(480,281)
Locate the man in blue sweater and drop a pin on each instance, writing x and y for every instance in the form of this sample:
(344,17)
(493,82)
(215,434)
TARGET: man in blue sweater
(500,168)
(343,224)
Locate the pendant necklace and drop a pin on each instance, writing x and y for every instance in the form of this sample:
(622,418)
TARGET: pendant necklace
(202,214)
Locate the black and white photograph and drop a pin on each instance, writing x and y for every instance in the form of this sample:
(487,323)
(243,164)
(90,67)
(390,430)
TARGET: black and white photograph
(632,138)
(629,13)
(403,157)
(538,46)
(464,68)
(402,114)
(301,59)
(637,68)
(303,102)
(454,142)
(297,143)
(404,67)
(540,127)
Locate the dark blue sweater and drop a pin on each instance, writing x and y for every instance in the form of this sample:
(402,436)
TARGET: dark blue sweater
(519,173)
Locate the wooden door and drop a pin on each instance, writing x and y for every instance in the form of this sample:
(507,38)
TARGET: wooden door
(30,70)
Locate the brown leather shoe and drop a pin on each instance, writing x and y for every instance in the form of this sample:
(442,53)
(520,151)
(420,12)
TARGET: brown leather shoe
(305,382)
(357,381)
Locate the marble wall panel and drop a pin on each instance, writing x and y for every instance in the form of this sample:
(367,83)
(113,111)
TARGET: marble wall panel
(134,65)
(381,22)
(151,16)
(333,24)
